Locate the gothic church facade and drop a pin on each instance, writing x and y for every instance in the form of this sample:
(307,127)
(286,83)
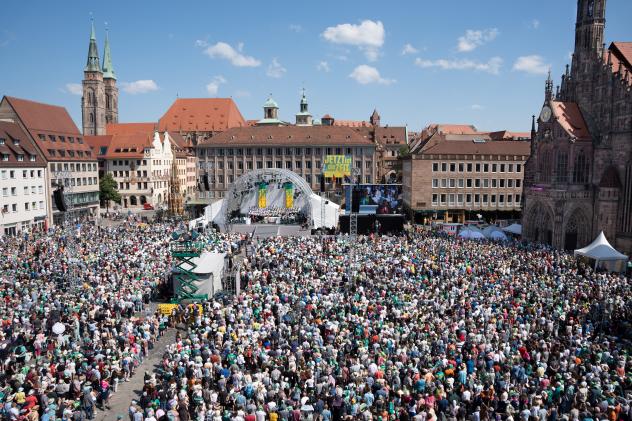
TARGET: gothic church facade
(578,180)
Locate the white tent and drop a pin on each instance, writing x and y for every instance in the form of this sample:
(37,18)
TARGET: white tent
(498,236)
(210,269)
(471,234)
(332,212)
(487,231)
(212,211)
(514,229)
(601,251)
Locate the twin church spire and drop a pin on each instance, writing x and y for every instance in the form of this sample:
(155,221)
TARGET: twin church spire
(99,103)
(93,64)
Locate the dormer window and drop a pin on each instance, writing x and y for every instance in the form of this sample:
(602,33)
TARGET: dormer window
(32,158)
(1,140)
(20,157)
(5,156)
(16,142)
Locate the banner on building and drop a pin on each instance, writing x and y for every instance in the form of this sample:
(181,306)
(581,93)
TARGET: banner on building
(263,190)
(289,195)
(337,166)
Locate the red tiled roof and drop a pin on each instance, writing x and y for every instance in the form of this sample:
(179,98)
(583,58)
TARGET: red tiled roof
(391,135)
(570,118)
(437,146)
(620,56)
(452,128)
(351,123)
(507,135)
(52,121)
(97,142)
(11,131)
(291,135)
(201,114)
(126,128)
(129,145)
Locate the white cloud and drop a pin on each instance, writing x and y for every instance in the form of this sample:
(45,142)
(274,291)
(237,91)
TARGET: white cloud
(535,24)
(533,64)
(74,88)
(475,38)
(275,69)
(213,87)
(296,27)
(368,36)
(323,66)
(477,107)
(139,86)
(409,49)
(365,75)
(224,51)
(492,66)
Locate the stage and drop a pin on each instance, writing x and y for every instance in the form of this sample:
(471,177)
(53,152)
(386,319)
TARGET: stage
(267,230)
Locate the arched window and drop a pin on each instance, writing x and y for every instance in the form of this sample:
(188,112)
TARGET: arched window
(561,169)
(91,118)
(581,169)
(107,102)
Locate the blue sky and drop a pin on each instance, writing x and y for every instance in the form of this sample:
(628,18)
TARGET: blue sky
(452,61)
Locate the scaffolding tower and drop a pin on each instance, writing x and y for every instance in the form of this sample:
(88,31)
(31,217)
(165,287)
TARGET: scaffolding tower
(184,278)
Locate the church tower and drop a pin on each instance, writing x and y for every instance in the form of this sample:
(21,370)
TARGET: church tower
(303,117)
(93,99)
(109,82)
(589,38)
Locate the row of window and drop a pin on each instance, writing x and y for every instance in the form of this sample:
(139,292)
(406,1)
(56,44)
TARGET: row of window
(79,181)
(475,167)
(493,199)
(282,151)
(229,179)
(143,185)
(126,162)
(84,166)
(25,174)
(28,206)
(476,182)
(296,165)
(19,157)
(63,152)
(62,139)
(27,190)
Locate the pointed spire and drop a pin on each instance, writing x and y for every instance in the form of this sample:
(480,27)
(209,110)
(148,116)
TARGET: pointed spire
(533,131)
(548,87)
(93,53)
(108,69)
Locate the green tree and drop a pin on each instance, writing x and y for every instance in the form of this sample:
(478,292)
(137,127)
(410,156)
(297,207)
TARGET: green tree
(107,191)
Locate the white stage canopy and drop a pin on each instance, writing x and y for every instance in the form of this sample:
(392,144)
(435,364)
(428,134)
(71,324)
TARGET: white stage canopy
(471,233)
(514,229)
(601,251)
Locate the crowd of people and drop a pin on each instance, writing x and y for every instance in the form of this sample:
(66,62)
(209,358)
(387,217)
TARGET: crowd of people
(416,327)
(74,314)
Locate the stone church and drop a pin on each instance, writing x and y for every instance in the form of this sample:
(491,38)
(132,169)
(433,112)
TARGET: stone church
(99,103)
(578,180)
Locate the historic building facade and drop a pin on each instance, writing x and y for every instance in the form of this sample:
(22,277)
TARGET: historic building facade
(70,161)
(23,187)
(578,180)
(455,172)
(99,103)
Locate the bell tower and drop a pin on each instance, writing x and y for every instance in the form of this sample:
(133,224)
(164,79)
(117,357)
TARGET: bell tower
(109,83)
(93,99)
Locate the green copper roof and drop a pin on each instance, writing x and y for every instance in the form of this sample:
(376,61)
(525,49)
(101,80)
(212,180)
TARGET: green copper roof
(93,54)
(108,69)
(270,103)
